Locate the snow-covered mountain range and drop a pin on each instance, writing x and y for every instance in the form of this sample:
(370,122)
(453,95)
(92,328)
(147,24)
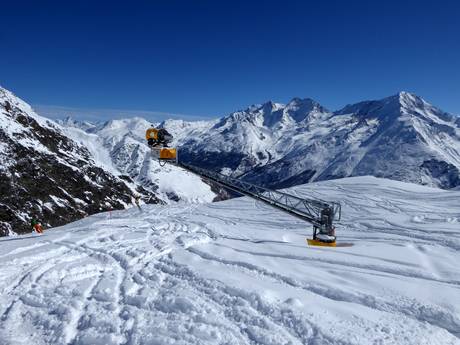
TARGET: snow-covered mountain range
(401,137)
(46,175)
(61,171)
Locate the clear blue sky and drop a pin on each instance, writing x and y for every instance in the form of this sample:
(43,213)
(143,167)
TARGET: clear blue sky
(209,58)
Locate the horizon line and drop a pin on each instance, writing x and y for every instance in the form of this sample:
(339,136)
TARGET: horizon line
(103,114)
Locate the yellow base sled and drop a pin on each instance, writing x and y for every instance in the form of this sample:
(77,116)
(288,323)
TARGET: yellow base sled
(165,154)
(320,244)
(325,244)
(169,154)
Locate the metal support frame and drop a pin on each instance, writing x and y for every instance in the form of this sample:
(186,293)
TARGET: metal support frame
(315,211)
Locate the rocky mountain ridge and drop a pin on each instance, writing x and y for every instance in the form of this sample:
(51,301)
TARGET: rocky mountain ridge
(47,176)
(401,137)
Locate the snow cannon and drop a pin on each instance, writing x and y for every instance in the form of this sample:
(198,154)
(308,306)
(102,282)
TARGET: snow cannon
(157,137)
(158,140)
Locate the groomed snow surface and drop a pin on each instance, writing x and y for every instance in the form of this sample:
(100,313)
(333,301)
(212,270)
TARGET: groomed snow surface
(239,272)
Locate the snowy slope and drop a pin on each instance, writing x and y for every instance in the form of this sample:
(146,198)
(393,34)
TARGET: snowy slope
(238,272)
(47,176)
(401,137)
(120,147)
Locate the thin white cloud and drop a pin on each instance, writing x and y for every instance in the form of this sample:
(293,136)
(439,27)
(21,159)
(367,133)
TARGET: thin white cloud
(88,114)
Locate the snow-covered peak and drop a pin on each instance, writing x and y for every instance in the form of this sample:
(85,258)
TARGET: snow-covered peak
(69,121)
(182,130)
(386,108)
(414,105)
(301,109)
(401,106)
(274,116)
(272,106)
(410,101)
(405,96)
(307,103)
(117,129)
(267,114)
(13,100)
(44,174)
(267,106)
(8,100)
(131,123)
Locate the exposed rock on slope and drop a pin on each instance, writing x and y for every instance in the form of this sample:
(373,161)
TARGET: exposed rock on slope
(46,175)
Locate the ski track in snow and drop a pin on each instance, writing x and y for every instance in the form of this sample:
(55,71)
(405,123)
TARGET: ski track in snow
(239,272)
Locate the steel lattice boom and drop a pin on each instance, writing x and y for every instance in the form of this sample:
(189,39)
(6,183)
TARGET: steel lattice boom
(318,212)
